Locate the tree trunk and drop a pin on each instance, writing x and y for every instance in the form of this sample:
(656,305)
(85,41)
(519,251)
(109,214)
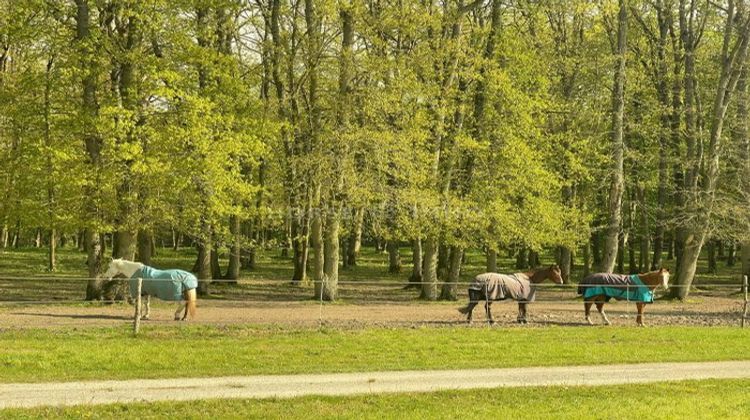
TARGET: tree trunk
(203,269)
(331,261)
(429,269)
(491,260)
(522,261)
(316,239)
(89,110)
(712,257)
(586,259)
(52,250)
(614,221)
(355,239)
(394,257)
(300,249)
(745,257)
(533,259)
(415,279)
(233,270)
(731,253)
(450,288)
(564,261)
(144,247)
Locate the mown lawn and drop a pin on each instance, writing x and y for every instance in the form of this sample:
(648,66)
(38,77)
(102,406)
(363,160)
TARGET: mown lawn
(112,353)
(713,399)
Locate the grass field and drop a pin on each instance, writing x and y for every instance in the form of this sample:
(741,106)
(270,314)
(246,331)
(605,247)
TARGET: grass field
(715,399)
(69,354)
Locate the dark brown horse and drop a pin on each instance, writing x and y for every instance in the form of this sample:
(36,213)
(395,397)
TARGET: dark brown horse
(520,287)
(639,288)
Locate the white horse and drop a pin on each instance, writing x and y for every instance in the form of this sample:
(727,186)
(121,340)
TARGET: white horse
(172,285)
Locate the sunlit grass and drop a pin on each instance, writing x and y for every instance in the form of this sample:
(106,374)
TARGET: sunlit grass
(158,352)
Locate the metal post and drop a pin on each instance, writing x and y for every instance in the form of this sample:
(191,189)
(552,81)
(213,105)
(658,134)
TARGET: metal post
(744,289)
(137,321)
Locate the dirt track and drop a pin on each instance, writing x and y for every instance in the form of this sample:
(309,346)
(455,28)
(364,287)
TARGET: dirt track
(704,311)
(287,386)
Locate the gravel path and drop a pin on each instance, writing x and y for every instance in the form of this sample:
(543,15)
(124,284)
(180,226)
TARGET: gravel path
(287,386)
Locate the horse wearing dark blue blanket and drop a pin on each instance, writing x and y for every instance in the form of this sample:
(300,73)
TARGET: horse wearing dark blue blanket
(639,288)
(171,285)
(520,287)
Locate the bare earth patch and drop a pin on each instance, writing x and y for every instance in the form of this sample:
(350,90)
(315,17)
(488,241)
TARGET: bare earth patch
(700,311)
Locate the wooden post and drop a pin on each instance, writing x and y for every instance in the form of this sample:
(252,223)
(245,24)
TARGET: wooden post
(744,289)
(137,321)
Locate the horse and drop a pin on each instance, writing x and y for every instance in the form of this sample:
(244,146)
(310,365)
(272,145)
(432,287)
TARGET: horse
(171,285)
(599,288)
(520,287)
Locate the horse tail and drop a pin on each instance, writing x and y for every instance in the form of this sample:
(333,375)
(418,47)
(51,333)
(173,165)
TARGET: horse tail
(191,300)
(464,309)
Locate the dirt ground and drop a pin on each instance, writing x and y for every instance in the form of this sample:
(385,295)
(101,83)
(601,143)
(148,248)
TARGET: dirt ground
(701,311)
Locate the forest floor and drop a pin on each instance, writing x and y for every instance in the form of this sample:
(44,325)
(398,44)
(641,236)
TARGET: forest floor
(703,310)
(288,386)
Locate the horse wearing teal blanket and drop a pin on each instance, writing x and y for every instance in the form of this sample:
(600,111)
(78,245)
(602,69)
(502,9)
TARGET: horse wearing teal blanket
(172,285)
(639,288)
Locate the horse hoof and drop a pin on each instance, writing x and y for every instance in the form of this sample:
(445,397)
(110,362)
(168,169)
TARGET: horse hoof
(588,321)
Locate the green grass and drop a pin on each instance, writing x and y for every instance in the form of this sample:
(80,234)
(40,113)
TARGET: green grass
(70,354)
(721,399)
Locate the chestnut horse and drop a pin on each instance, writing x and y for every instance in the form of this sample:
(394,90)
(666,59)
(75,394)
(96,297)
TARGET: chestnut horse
(639,288)
(172,285)
(520,287)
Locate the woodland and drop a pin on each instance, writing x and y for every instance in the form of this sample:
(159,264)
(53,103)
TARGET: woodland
(611,134)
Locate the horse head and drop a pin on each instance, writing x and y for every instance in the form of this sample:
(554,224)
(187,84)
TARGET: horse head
(555,274)
(664,273)
(120,266)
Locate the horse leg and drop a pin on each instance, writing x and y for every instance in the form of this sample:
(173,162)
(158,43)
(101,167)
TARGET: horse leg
(587,311)
(600,308)
(191,299)
(639,320)
(468,309)
(521,313)
(180,306)
(487,305)
(145,307)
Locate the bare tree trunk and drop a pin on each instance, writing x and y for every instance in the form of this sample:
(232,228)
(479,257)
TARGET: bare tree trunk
(203,268)
(93,240)
(233,270)
(429,269)
(416,259)
(614,221)
(522,261)
(450,288)
(712,266)
(586,259)
(355,238)
(394,257)
(491,260)
(331,261)
(144,247)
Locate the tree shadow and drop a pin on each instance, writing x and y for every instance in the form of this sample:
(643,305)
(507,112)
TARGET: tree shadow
(74,316)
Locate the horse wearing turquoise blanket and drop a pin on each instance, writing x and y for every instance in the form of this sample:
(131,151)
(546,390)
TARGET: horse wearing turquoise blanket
(639,288)
(172,285)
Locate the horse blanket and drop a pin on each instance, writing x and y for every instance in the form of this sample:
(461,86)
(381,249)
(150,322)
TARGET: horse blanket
(618,286)
(503,286)
(164,284)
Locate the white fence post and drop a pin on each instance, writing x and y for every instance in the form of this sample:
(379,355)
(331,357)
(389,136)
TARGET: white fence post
(137,321)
